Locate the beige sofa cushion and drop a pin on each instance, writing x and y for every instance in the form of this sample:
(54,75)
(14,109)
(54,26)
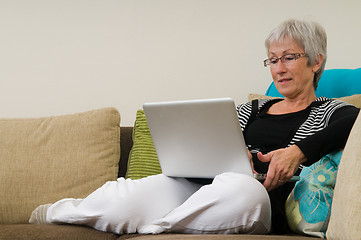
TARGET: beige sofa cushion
(46,159)
(345,221)
(253,96)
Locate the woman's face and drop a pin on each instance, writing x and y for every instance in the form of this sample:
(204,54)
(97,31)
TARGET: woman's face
(292,78)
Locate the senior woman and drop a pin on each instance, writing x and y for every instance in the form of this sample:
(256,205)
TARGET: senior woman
(281,135)
(285,134)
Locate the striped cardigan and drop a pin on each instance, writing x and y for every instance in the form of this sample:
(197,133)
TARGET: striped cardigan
(318,119)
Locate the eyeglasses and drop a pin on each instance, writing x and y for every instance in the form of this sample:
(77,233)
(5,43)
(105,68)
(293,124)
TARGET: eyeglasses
(285,59)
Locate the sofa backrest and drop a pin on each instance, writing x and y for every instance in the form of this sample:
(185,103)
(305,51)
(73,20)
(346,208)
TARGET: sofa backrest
(126,143)
(334,83)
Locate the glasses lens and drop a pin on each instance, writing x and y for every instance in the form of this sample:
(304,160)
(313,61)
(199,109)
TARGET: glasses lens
(273,61)
(289,58)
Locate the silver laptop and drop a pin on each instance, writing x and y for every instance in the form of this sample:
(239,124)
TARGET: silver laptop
(197,138)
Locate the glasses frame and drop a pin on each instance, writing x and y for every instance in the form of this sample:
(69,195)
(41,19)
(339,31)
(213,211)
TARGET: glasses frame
(267,62)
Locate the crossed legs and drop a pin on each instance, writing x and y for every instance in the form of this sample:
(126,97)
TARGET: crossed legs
(233,203)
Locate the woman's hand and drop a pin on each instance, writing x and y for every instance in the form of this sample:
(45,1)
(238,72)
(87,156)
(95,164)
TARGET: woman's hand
(284,163)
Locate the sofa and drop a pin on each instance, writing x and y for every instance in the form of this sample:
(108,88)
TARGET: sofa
(46,159)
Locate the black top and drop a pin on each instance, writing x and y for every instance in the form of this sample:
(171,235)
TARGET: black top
(268,132)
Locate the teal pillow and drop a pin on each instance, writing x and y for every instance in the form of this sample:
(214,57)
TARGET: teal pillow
(334,83)
(308,207)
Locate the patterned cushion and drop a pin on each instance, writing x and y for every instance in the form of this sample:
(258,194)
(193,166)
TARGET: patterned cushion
(308,207)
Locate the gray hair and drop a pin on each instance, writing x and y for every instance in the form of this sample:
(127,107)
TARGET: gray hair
(310,35)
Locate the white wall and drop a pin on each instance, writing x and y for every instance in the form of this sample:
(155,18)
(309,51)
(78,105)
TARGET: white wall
(67,56)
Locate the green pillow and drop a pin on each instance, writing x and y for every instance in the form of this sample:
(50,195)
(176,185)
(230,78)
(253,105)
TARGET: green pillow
(143,160)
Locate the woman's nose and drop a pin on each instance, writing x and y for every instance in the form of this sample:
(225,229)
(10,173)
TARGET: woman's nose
(279,67)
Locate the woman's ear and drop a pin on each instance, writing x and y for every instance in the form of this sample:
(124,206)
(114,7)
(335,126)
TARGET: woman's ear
(318,63)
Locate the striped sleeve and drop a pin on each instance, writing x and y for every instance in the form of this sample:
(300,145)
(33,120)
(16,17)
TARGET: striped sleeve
(329,132)
(318,119)
(244,112)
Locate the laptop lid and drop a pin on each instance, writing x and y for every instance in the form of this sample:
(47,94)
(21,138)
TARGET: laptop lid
(197,138)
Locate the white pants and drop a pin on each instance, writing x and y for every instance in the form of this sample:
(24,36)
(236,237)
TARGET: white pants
(233,203)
